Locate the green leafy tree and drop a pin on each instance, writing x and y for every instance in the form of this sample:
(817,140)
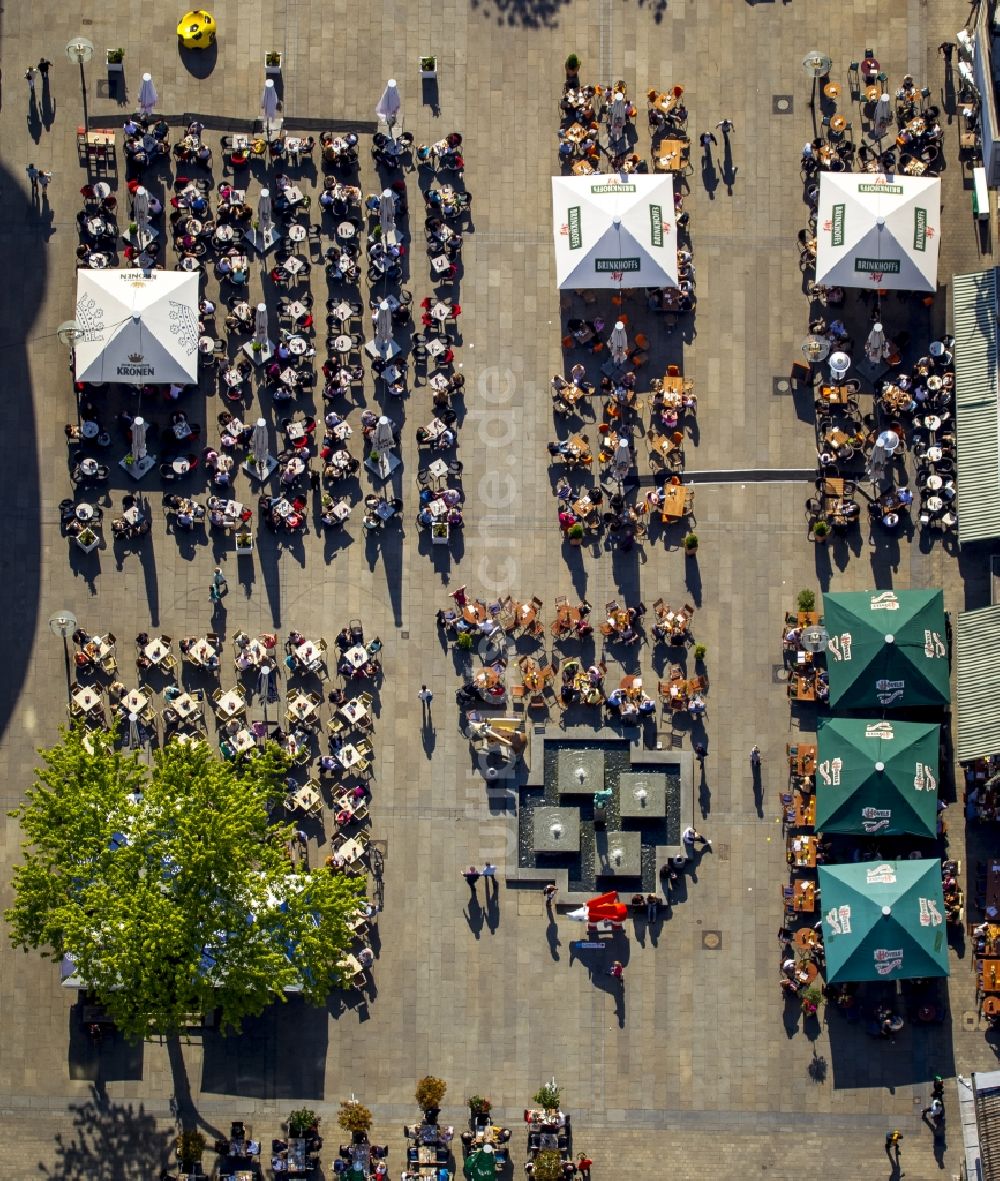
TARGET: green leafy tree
(170,886)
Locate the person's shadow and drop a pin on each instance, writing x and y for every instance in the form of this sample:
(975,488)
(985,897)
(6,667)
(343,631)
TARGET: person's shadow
(940,1144)
(492,904)
(709,177)
(552,936)
(758,789)
(48,105)
(620,1003)
(474,915)
(704,793)
(428,735)
(728,168)
(34,118)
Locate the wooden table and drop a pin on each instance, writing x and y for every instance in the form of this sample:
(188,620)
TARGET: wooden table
(803,896)
(804,685)
(665,103)
(531,675)
(988,975)
(672,508)
(801,852)
(832,90)
(474,613)
(805,939)
(804,762)
(835,395)
(804,809)
(833,487)
(670,155)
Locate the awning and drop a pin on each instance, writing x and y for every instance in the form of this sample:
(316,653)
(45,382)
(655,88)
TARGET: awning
(878,230)
(977,683)
(137,327)
(883,921)
(877,777)
(614,231)
(887,649)
(974,313)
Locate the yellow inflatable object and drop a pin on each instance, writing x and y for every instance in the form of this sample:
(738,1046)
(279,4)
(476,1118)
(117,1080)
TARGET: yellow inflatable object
(196,29)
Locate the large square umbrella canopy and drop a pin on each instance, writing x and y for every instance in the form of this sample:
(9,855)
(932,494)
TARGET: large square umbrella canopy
(887,649)
(876,776)
(137,327)
(614,231)
(878,230)
(481,1164)
(883,921)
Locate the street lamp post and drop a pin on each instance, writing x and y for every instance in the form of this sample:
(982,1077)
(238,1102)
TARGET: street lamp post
(63,623)
(79,51)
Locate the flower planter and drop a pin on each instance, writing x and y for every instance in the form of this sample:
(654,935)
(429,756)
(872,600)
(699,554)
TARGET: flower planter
(430,62)
(244,543)
(272,64)
(116,62)
(439,533)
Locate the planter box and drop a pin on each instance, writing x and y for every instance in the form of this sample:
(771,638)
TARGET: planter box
(272,70)
(248,547)
(116,67)
(428,73)
(439,534)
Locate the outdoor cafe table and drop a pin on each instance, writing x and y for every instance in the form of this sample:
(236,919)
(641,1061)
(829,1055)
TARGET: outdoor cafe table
(185,706)
(349,756)
(351,851)
(134,701)
(306,798)
(156,650)
(531,675)
(665,102)
(801,852)
(804,685)
(86,699)
(488,682)
(351,967)
(230,704)
(988,975)
(309,653)
(357,656)
(242,741)
(474,613)
(672,508)
(201,652)
(805,938)
(354,710)
(803,896)
(300,707)
(670,156)
(803,761)
(567,617)
(803,810)
(805,974)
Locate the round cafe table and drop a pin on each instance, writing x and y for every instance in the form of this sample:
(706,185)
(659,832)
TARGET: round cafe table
(84,512)
(934,482)
(102,190)
(90,429)
(935,503)
(932,422)
(88,466)
(934,454)
(815,348)
(832,90)
(888,441)
(97,262)
(181,466)
(342,344)
(296,233)
(806,975)
(346,230)
(298,346)
(206,344)
(838,123)
(805,938)
(224,233)
(934,382)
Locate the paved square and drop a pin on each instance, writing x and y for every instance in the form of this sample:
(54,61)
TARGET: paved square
(699,1071)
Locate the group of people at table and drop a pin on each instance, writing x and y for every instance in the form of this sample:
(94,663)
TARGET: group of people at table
(808,679)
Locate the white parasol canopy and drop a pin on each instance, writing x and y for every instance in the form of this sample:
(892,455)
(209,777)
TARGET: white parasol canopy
(618,343)
(383,323)
(389,104)
(839,365)
(260,323)
(264,214)
(258,441)
(137,327)
(614,231)
(269,104)
(383,438)
(138,439)
(876,229)
(617,114)
(387,212)
(148,98)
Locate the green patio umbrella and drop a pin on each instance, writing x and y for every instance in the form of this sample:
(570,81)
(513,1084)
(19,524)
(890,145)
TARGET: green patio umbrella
(887,649)
(481,1165)
(883,921)
(876,776)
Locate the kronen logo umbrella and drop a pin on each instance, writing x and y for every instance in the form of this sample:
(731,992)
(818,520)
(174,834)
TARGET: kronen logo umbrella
(887,649)
(614,231)
(878,230)
(877,777)
(137,327)
(883,920)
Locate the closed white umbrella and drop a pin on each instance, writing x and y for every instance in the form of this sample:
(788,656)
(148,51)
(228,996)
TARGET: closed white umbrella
(382,438)
(839,365)
(133,730)
(269,104)
(140,211)
(875,344)
(389,104)
(383,323)
(258,443)
(619,109)
(387,212)
(264,211)
(618,343)
(148,98)
(138,439)
(622,456)
(876,463)
(260,323)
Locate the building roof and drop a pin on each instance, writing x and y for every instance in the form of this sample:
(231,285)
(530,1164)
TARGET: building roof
(974,313)
(977,695)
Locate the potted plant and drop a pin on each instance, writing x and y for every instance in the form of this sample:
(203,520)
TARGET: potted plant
(479,1106)
(547,1097)
(575,533)
(86,539)
(133,228)
(428,66)
(691,544)
(700,652)
(373,456)
(821,531)
(272,62)
(429,1095)
(244,542)
(573,64)
(301,1121)
(807,600)
(355,1118)
(439,533)
(548,1166)
(116,61)
(464,642)
(190,1146)
(812,998)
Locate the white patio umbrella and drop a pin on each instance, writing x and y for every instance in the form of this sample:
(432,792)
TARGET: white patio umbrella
(383,438)
(875,344)
(618,343)
(883,115)
(138,439)
(133,729)
(383,323)
(389,104)
(387,212)
(148,98)
(140,211)
(260,323)
(264,214)
(617,114)
(876,463)
(258,443)
(622,456)
(269,105)
(839,365)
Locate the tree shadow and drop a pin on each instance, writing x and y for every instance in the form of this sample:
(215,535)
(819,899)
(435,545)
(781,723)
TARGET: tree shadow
(105,1136)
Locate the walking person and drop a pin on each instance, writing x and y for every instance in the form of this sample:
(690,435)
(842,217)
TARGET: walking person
(690,835)
(935,1109)
(219,586)
(32,172)
(706,139)
(471,875)
(426,697)
(617,972)
(700,753)
(490,874)
(892,1140)
(43,69)
(652,906)
(44,176)
(726,126)
(29,77)
(549,893)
